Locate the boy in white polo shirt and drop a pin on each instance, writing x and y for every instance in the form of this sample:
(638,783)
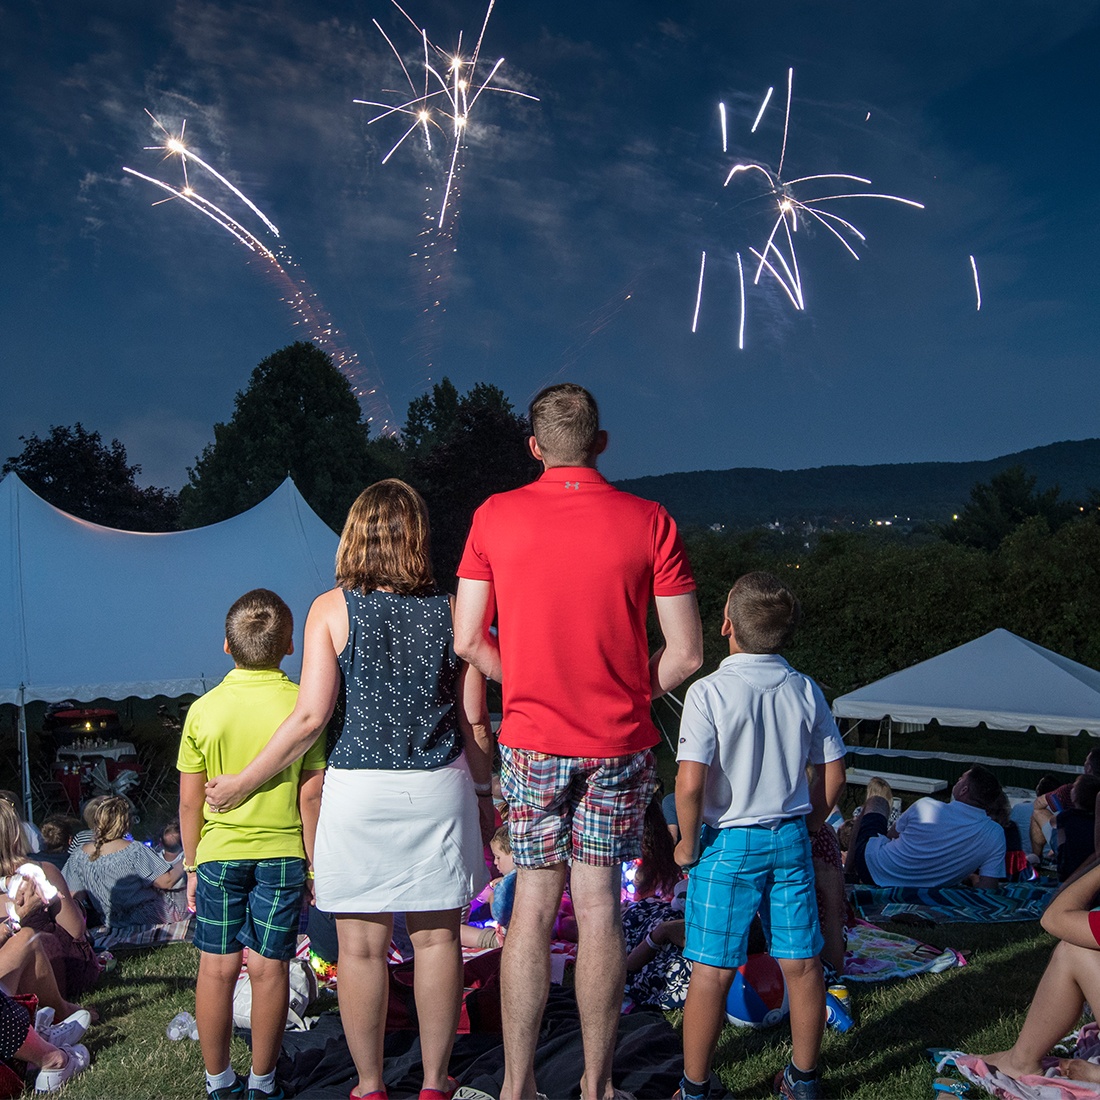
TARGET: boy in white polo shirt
(746,811)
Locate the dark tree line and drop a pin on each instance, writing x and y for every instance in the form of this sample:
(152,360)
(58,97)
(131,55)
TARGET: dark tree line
(1013,557)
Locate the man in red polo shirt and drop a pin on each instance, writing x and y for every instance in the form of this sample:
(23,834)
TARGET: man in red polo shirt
(569,566)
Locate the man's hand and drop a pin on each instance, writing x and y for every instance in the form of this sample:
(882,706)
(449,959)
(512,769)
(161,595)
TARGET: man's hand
(686,855)
(224,792)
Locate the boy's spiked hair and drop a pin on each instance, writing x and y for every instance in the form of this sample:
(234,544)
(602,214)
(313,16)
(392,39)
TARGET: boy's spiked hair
(259,629)
(763,612)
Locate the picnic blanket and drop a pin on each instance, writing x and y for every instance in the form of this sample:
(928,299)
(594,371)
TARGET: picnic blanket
(1016,901)
(875,955)
(152,935)
(1031,1086)
(316,1065)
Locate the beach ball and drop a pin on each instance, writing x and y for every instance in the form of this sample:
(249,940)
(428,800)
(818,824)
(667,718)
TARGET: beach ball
(758,995)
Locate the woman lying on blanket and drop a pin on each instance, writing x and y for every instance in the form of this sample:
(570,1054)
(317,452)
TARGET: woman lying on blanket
(1071,978)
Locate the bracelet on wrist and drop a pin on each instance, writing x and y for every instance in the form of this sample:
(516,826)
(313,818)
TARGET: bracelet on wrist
(310,875)
(190,868)
(483,788)
(649,941)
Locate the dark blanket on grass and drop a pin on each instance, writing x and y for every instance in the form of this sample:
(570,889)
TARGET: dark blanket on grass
(950,904)
(648,1057)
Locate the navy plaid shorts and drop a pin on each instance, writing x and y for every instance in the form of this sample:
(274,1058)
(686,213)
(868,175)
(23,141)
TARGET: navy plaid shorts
(253,903)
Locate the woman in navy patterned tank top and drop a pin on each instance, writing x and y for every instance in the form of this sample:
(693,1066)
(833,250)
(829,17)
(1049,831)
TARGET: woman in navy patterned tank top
(407,800)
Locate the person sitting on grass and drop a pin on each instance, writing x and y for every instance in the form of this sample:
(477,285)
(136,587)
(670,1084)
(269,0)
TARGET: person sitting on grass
(500,893)
(1071,979)
(58,1062)
(747,812)
(58,831)
(247,868)
(932,843)
(1050,802)
(53,923)
(1075,826)
(124,880)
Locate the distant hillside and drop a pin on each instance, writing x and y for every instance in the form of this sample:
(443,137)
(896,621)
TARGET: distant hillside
(835,495)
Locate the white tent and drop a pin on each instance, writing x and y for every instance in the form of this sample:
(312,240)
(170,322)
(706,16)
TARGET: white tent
(1000,679)
(89,612)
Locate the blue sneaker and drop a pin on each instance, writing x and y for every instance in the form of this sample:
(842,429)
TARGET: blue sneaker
(797,1090)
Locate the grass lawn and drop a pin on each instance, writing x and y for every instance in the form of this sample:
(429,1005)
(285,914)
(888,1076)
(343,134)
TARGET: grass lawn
(977,1008)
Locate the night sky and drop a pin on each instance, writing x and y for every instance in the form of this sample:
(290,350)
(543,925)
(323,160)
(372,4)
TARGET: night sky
(572,249)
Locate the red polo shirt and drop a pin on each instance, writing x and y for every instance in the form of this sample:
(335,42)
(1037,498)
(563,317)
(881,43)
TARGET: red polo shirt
(574,563)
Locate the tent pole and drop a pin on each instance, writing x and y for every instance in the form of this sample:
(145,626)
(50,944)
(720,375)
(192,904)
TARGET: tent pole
(25,764)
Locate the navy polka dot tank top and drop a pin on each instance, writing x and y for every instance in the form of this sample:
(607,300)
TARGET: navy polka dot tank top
(399,670)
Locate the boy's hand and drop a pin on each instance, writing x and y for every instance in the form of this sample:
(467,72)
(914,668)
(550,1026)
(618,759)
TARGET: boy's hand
(685,854)
(224,792)
(192,888)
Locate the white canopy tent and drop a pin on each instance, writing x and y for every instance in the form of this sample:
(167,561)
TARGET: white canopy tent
(90,612)
(1000,679)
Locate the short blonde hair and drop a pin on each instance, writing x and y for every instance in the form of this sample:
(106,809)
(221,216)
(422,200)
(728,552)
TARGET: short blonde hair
(386,542)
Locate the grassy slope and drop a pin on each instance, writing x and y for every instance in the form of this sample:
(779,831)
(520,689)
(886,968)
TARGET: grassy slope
(977,1008)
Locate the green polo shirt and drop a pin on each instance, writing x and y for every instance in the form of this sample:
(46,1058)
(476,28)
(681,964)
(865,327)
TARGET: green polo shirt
(225,730)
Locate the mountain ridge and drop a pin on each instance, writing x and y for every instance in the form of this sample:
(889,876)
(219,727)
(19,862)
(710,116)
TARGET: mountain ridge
(850,495)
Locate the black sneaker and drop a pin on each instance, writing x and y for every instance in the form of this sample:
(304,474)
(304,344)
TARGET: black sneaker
(234,1091)
(258,1094)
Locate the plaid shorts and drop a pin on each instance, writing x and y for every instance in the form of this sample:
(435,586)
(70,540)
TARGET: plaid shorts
(744,869)
(253,903)
(583,808)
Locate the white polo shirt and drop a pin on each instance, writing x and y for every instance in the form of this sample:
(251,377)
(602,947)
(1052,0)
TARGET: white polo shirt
(938,844)
(756,722)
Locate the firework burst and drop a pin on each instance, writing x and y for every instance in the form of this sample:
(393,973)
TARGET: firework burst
(309,312)
(778,257)
(451,89)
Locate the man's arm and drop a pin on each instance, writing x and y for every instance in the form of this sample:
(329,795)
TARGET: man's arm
(473,616)
(691,783)
(682,653)
(192,798)
(309,807)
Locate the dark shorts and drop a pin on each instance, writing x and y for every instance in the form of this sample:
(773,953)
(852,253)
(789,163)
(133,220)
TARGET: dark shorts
(868,825)
(582,808)
(253,903)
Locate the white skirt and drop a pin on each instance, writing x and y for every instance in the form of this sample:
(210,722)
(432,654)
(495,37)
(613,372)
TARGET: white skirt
(398,841)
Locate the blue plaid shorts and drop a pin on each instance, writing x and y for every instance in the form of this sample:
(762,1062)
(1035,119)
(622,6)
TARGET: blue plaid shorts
(253,903)
(584,808)
(745,869)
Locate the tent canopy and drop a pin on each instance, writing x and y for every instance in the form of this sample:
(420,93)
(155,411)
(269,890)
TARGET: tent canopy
(90,612)
(1000,679)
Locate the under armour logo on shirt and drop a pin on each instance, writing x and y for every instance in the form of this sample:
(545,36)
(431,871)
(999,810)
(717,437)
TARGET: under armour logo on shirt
(572,484)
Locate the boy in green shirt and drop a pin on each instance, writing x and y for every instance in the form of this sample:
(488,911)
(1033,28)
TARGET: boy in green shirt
(247,867)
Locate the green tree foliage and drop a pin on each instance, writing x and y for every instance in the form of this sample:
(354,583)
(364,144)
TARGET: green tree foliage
(297,416)
(460,450)
(74,470)
(996,508)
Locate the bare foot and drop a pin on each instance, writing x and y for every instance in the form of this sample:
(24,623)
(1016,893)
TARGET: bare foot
(1008,1062)
(1079,1070)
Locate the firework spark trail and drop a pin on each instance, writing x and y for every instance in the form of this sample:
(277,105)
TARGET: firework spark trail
(699,292)
(763,108)
(722,116)
(455,97)
(295,291)
(782,263)
(741,284)
(977,285)
(175,146)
